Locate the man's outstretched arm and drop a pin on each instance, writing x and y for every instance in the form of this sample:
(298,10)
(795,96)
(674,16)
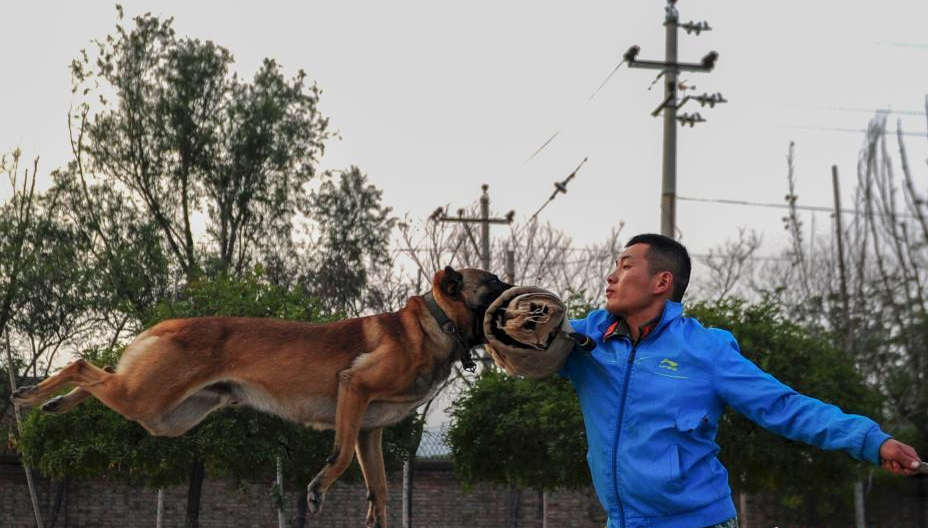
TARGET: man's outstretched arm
(778,408)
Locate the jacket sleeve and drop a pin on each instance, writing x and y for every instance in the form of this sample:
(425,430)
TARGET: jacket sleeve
(579,325)
(778,408)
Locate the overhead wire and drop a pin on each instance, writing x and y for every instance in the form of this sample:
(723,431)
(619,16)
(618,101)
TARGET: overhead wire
(559,187)
(607,79)
(854,130)
(785,206)
(590,98)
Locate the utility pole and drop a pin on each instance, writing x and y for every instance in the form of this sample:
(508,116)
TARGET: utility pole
(839,235)
(510,265)
(670,70)
(484,220)
(485,228)
(860,505)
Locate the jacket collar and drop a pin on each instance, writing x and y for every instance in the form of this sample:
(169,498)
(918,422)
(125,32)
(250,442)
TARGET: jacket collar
(618,327)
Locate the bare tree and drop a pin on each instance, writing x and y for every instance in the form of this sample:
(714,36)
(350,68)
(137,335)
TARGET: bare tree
(731,268)
(883,325)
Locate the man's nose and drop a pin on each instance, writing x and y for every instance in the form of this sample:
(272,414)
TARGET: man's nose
(611,278)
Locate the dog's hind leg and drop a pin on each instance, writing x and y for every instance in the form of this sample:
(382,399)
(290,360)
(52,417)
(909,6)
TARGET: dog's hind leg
(191,411)
(66,402)
(353,400)
(108,387)
(77,373)
(370,456)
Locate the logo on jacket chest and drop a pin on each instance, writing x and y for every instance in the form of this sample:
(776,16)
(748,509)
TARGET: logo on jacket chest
(668,364)
(663,366)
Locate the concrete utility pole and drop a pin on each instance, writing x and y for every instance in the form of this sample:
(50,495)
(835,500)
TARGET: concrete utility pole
(484,248)
(860,505)
(670,70)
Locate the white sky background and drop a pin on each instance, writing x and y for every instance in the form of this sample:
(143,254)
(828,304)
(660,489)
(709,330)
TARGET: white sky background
(432,99)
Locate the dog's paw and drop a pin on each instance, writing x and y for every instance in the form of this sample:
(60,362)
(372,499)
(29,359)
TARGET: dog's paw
(314,497)
(53,405)
(22,394)
(373,522)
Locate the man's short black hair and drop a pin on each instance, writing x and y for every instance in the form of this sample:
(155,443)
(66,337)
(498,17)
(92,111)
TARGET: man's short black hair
(666,254)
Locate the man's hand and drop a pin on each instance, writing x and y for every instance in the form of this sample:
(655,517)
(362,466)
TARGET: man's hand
(899,458)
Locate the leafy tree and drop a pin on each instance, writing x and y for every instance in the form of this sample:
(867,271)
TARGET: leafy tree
(123,256)
(185,136)
(184,178)
(352,244)
(534,440)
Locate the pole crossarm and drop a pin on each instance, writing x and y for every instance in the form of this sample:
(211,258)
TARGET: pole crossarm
(507,220)
(706,65)
(704,99)
(439,215)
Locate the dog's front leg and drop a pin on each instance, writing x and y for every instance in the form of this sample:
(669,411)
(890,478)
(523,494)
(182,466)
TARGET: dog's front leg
(370,455)
(352,403)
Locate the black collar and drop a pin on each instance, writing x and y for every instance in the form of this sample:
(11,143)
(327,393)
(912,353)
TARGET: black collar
(447,326)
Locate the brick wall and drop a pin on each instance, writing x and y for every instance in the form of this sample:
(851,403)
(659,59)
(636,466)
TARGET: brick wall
(439,501)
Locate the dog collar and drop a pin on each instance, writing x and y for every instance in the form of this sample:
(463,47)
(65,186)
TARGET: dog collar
(447,326)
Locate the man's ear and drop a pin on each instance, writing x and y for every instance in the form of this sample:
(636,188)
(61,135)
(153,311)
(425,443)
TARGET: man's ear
(451,282)
(664,283)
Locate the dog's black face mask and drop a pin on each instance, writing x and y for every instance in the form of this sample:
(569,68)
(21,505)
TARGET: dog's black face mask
(480,288)
(477,289)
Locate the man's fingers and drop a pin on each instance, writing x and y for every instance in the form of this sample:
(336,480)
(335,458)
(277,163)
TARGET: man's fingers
(905,457)
(912,457)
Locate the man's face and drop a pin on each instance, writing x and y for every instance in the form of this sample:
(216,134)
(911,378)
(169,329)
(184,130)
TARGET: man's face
(631,287)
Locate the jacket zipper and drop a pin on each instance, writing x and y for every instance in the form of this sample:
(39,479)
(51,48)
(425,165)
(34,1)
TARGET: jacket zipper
(618,431)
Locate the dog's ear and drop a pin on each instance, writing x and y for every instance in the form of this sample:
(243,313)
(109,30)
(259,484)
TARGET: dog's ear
(451,282)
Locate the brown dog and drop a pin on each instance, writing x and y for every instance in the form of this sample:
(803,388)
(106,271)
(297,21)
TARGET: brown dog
(355,376)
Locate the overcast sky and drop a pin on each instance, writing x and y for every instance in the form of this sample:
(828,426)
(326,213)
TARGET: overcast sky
(432,99)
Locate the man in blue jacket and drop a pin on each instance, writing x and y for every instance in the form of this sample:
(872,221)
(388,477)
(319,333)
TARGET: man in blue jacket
(653,389)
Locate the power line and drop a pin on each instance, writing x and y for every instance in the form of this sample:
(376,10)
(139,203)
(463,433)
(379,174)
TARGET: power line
(854,130)
(551,138)
(591,250)
(543,145)
(607,79)
(559,187)
(920,113)
(800,207)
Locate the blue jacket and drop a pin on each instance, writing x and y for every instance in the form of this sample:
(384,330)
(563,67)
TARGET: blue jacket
(652,412)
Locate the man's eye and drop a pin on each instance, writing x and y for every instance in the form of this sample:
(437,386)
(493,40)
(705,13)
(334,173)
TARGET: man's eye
(626,267)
